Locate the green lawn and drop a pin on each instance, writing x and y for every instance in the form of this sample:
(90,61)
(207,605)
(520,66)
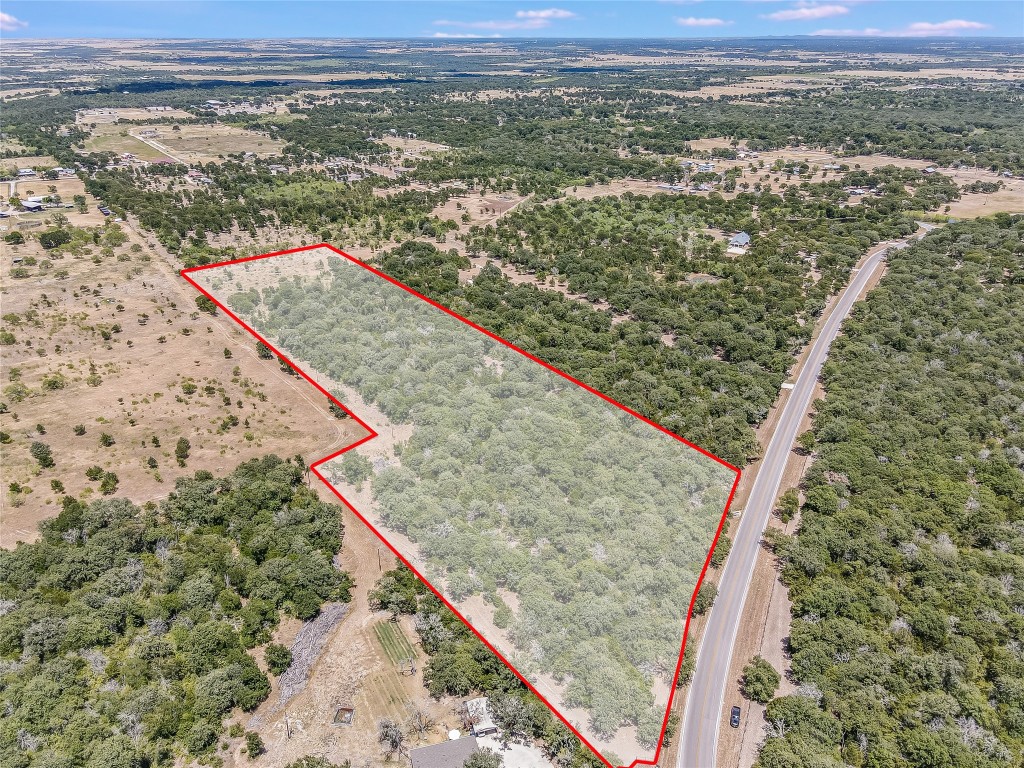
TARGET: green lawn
(394,642)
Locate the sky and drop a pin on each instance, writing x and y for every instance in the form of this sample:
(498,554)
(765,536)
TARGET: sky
(509,19)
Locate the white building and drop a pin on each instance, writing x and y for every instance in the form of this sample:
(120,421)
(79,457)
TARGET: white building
(480,720)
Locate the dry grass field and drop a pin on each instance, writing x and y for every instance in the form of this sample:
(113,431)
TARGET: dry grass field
(115,114)
(209,143)
(110,339)
(109,137)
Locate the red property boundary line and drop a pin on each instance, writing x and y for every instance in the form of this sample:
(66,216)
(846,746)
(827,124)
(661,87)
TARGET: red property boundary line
(186,273)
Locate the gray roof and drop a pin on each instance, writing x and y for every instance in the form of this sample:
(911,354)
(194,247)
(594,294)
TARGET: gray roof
(447,754)
(740,239)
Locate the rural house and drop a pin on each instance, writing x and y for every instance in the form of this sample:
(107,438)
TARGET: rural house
(447,754)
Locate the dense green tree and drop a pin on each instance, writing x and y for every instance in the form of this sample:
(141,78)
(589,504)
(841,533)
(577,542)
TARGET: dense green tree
(205,305)
(278,658)
(484,758)
(136,616)
(43,455)
(181,450)
(254,745)
(760,680)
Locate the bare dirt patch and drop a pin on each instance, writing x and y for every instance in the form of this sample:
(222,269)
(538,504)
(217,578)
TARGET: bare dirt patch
(413,147)
(617,187)
(1009,199)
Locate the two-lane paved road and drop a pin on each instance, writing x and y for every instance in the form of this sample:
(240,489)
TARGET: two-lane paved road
(704,713)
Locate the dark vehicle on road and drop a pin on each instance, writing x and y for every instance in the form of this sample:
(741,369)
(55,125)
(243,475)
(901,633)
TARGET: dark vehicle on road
(734,717)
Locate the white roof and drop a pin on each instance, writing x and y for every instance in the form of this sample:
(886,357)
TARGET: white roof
(479,715)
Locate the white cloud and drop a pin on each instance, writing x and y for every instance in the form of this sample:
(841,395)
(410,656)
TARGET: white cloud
(10,24)
(539,19)
(461,35)
(867,32)
(807,13)
(691,21)
(502,24)
(547,13)
(924,28)
(948,28)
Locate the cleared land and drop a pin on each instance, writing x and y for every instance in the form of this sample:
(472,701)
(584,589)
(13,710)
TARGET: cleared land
(109,137)
(111,340)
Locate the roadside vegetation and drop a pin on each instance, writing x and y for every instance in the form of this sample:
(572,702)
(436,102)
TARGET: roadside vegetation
(906,573)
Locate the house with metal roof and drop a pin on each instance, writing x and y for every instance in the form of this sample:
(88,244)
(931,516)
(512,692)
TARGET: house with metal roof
(480,717)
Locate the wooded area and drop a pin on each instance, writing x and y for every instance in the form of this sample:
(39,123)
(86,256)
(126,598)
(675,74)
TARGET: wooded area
(126,632)
(583,527)
(906,573)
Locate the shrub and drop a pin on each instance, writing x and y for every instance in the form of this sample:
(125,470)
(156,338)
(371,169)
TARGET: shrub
(108,484)
(54,382)
(760,681)
(42,454)
(206,305)
(705,598)
(278,658)
(254,745)
(181,450)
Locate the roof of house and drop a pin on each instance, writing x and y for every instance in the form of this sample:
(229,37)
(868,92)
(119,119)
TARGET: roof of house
(447,754)
(741,238)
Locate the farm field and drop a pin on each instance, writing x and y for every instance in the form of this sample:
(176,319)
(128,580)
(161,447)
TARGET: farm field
(108,137)
(211,143)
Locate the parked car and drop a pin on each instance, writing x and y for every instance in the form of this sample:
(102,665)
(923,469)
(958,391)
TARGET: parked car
(734,717)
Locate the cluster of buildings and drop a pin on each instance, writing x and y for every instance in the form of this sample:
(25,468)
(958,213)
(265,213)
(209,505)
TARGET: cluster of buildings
(238,108)
(698,167)
(199,177)
(30,173)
